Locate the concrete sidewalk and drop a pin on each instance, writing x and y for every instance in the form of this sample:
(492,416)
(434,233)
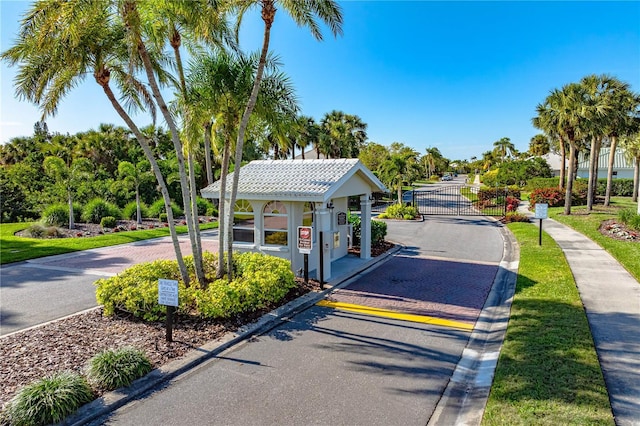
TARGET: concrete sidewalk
(611,298)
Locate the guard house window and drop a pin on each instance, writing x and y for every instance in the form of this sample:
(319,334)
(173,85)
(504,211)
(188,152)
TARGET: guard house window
(307,215)
(243,222)
(275,224)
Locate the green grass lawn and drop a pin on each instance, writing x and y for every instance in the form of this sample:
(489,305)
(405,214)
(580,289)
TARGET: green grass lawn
(14,249)
(627,253)
(548,372)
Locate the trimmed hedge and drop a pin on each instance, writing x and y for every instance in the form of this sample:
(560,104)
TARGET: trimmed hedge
(259,281)
(399,211)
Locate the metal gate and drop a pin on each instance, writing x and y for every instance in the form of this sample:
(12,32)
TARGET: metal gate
(461,200)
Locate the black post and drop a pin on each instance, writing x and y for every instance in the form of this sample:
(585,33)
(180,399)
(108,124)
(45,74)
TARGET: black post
(306,268)
(169,336)
(540,234)
(321,259)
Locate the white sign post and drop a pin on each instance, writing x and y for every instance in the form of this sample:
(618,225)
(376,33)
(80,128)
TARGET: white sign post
(542,212)
(168,296)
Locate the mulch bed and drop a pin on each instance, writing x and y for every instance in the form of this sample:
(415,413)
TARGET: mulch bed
(619,231)
(68,344)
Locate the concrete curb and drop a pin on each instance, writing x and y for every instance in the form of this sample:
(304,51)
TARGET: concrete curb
(466,394)
(113,400)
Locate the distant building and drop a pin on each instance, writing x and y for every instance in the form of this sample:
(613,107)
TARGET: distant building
(622,168)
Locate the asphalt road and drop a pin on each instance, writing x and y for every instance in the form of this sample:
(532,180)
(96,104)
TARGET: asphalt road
(329,366)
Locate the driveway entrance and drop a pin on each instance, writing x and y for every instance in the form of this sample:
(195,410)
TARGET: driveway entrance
(460,200)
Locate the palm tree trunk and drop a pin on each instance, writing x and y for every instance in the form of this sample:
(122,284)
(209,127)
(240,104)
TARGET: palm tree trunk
(268,15)
(156,170)
(612,158)
(636,181)
(72,224)
(196,220)
(591,191)
(138,209)
(563,164)
(184,184)
(222,221)
(207,153)
(569,191)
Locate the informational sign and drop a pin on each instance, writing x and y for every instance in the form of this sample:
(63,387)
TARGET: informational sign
(305,239)
(342,218)
(542,210)
(168,292)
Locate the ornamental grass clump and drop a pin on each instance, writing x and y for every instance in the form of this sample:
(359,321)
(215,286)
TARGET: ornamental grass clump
(48,400)
(115,368)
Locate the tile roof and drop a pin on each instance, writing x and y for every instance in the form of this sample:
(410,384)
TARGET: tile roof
(294,179)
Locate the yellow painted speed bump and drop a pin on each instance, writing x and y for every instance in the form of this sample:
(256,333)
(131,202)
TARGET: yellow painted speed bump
(368,310)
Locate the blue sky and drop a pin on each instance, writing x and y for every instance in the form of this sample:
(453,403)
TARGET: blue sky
(454,75)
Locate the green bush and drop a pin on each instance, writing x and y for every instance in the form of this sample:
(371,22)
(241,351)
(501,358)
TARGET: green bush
(619,187)
(56,215)
(212,211)
(116,368)
(399,211)
(130,211)
(48,400)
(108,222)
(163,218)
(259,280)
(378,231)
(97,208)
(203,206)
(157,208)
(630,218)
(539,183)
(39,231)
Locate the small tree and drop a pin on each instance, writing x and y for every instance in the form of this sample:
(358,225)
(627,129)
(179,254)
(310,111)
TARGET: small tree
(132,176)
(68,178)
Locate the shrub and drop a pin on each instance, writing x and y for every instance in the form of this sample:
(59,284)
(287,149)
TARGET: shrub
(39,231)
(97,208)
(399,211)
(512,204)
(259,280)
(157,208)
(619,187)
(515,217)
(116,368)
(56,215)
(203,206)
(630,218)
(539,183)
(163,218)
(108,222)
(552,196)
(212,211)
(130,211)
(378,231)
(48,400)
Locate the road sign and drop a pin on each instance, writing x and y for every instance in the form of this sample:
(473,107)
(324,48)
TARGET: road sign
(305,239)
(542,210)
(168,292)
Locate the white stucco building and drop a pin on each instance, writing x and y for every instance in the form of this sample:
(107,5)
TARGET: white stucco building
(275,197)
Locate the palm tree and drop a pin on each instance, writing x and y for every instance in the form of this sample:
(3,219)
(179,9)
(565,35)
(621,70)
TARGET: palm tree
(631,145)
(134,176)
(539,145)
(305,14)
(431,159)
(59,44)
(504,147)
(68,177)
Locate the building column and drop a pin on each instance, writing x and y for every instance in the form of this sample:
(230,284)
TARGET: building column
(365,227)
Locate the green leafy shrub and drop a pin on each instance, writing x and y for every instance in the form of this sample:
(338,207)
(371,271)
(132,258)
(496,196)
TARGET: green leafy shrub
(539,183)
(56,215)
(135,290)
(203,206)
(48,400)
(130,211)
(212,211)
(157,208)
(260,280)
(97,208)
(378,231)
(38,231)
(619,187)
(108,222)
(116,368)
(399,211)
(630,218)
(163,218)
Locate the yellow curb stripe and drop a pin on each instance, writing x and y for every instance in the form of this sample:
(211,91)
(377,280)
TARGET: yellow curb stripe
(349,307)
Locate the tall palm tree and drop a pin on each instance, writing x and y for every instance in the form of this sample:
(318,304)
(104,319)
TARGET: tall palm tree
(62,42)
(504,147)
(431,159)
(305,14)
(631,145)
(68,177)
